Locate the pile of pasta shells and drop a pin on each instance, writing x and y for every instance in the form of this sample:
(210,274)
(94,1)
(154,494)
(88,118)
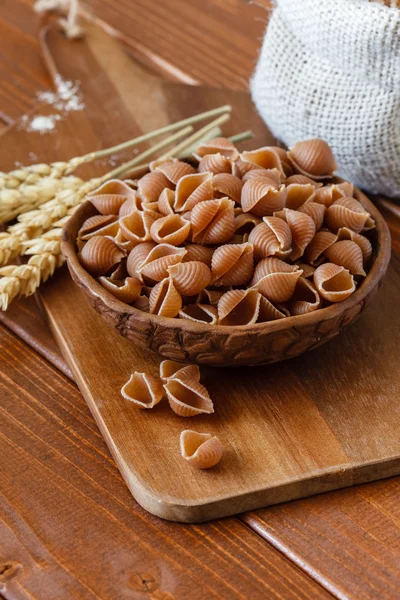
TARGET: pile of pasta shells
(230,238)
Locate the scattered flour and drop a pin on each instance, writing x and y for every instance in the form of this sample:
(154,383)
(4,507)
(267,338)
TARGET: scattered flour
(65,98)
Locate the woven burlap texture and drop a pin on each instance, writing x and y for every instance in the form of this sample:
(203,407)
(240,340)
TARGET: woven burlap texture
(331,69)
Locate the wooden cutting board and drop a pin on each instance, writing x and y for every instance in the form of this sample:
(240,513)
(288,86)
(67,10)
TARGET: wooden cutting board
(328,419)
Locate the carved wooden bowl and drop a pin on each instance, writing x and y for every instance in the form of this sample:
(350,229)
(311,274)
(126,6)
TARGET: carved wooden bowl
(218,345)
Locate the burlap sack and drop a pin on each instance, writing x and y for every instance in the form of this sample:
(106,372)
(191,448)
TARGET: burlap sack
(331,69)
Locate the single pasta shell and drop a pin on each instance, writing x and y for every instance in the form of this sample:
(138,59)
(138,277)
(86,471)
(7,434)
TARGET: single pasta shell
(271,237)
(315,211)
(245,222)
(269,265)
(303,180)
(305,298)
(215,163)
(200,313)
(245,166)
(110,196)
(267,158)
(239,307)
(166,201)
(298,194)
(274,174)
(155,266)
(135,227)
(193,189)
(328,194)
(143,389)
(347,254)
(190,277)
(278,287)
(219,145)
(170,369)
(171,229)
(262,198)
(130,204)
(165,299)
(151,185)
(109,230)
(127,290)
(345,233)
(339,215)
(94,223)
(313,158)
(137,256)
(188,397)
(314,253)
(175,169)
(198,252)
(232,264)
(99,254)
(334,283)
(356,206)
(213,221)
(269,312)
(303,230)
(225,184)
(200,450)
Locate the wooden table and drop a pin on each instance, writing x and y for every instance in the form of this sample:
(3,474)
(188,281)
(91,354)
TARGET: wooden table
(69,527)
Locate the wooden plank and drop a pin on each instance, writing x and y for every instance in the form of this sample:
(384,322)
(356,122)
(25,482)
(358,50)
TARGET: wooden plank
(70,528)
(348,541)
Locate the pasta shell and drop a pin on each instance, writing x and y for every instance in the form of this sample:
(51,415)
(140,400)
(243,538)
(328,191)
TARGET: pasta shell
(198,252)
(213,221)
(137,256)
(298,194)
(99,254)
(210,297)
(131,204)
(166,201)
(200,450)
(219,145)
(170,369)
(190,277)
(262,198)
(193,189)
(225,184)
(175,169)
(127,290)
(267,158)
(366,247)
(136,226)
(92,224)
(120,271)
(151,185)
(303,180)
(155,265)
(188,398)
(314,253)
(269,265)
(347,254)
(347,188)
(346,212)
(142,303)
(200,313)
(328,194)
(244,166)
(272,237)
(143,389)
(232,264)
(269,312)
(315,211)
(239,307)
(245,223)
(109,230)
(110,196)
(171,229)
(313,158)
(215,163)
(303,230)
(274,174)
(152,207)
(333,283)
(164,299)
(308,270)
(305,298)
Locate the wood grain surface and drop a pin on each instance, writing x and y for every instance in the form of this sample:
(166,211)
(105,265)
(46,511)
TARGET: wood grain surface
(375,525)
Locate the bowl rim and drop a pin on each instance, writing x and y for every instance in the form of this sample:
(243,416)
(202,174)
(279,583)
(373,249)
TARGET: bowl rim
(375,274)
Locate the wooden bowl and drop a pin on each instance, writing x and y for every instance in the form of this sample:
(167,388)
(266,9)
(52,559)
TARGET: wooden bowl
(218,345)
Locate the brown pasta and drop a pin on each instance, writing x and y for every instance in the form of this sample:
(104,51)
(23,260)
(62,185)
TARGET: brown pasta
(151,185)
(215,163)
(269,174)
(93,224)
(166,202)
(137,256)
(136,226)
(303,180)
(172,369)
(127,290)
(305,298)
(269,312)
(200,450)
(188,398)
(218,145)
(303,230)
(171,229)
(99,254)
(267,158)
(333,283)
(348,212)
(298,194)
(164,299)
(213,221)
(155,265)
(273,237)
(315,211)
(200,313)
(345,233)
(347,254)
(239,307)
(190,278)
(276,280)
(262,198)
(174,170)
(313,158)
(110,196)
(314,253)
(227,185)
(143,389)
(232,264)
